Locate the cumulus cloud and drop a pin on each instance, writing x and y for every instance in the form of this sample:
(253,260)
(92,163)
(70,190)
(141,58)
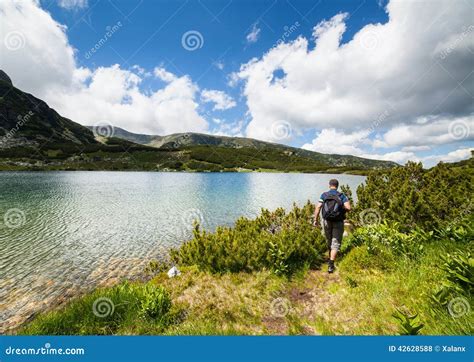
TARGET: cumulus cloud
(221,100)
(73,4)
(85,95)
(254,34)
(356,143)
(418,64)
(229,129)
(429,133)
(337,142)
(164,75)
(457,155)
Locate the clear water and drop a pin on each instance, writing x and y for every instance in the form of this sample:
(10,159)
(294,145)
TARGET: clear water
(73,231)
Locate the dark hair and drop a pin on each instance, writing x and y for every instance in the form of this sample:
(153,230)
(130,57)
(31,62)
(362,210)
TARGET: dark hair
(334,182)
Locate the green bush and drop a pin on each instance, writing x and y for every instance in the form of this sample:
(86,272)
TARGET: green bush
(415,197)
(359,258)
(156,302)
(278,241)
(388,236)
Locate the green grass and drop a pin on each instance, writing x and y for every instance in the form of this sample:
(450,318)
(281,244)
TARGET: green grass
(123,309)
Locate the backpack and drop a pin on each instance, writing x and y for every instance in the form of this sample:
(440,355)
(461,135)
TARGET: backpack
(333,208)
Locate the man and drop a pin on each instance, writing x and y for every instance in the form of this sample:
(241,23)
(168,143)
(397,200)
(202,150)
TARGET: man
(334,205)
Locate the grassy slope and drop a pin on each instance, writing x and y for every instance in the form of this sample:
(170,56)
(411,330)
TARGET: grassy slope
(118,154)
(357,299)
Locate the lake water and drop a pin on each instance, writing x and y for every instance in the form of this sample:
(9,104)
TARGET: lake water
(63,233)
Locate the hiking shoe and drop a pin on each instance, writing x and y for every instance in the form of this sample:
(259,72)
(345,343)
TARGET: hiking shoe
(331,267)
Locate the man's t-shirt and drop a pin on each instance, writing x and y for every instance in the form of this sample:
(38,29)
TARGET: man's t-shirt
(343,197)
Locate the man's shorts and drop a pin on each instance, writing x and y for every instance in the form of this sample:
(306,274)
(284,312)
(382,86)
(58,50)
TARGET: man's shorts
(333,231)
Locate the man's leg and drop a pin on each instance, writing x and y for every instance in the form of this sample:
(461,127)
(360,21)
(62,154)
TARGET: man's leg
(327,228)
(337,231)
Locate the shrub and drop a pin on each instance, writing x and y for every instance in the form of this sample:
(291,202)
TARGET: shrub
(387,236)
(359,258)
(155,302)
(459,271)
(278,241)
(415,197)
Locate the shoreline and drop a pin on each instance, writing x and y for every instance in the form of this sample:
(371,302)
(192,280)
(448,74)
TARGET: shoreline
(353,173)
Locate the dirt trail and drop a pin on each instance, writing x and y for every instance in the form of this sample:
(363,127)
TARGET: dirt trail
(310,300)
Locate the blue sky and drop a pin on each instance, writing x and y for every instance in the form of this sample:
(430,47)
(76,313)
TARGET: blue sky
(224,26)
(330,76)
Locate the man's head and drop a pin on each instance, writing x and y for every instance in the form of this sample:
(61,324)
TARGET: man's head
(333,184)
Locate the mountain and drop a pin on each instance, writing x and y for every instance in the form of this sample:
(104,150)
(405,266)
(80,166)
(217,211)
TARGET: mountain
(27,120)
(179,141)
(34,136)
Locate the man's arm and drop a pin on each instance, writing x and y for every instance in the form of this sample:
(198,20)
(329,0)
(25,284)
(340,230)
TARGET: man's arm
(316,213)
(347,206)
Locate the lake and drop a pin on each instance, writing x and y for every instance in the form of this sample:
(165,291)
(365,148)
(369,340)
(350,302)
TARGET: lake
(65,233)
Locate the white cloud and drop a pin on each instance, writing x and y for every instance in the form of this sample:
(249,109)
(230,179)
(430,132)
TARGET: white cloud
(416,148)
(254,34)
(87,95)
(73,4)
(221,100)
(219,64)
(400,157)
(454,156)
(234,129)
(337,142)
(428,133)
(163,74)
(402,66)
(334,141)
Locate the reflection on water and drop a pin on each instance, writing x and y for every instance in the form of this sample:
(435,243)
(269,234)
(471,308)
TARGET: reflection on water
(84,229)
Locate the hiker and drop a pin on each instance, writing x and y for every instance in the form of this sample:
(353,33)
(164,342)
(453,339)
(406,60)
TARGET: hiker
(334,206)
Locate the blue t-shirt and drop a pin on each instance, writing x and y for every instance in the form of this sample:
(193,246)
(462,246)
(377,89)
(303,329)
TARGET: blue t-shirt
(343,197)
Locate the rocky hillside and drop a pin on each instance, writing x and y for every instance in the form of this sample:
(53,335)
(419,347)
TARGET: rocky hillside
(27,120)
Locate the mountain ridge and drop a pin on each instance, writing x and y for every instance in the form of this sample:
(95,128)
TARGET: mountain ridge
(187,139)
(33,136)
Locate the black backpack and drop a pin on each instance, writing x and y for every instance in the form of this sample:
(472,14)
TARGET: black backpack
(333,207)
